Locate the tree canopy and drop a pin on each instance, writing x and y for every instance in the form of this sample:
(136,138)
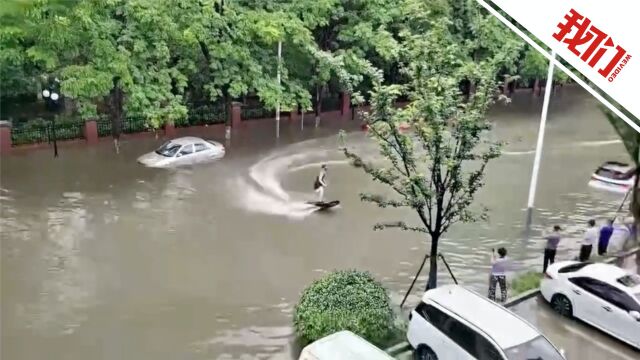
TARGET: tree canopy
(164,55)
(438,166)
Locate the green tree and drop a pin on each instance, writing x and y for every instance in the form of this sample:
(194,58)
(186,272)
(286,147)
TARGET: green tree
(483,36)
(235,49)
(438,167)
(534,67)
(115,52)
(352,38)
(631,141)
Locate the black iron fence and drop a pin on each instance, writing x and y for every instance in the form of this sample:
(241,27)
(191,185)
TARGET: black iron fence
(104,126)
(205,115)
(130,125)
(40,131)
(253,112)
(331,102)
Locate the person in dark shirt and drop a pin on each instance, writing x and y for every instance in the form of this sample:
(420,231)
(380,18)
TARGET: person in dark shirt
(553,239)
(321,182)
(605,235)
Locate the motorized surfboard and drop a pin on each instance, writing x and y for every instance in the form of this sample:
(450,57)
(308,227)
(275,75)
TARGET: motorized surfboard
(324,205)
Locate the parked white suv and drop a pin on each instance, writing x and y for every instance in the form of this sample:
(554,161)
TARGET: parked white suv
(452,322)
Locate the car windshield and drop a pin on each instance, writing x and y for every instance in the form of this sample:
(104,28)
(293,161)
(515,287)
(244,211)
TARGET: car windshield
(168,149)
(573,267)
(631,280)
(536,349)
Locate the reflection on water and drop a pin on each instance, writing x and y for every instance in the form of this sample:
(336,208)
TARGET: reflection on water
(104,259)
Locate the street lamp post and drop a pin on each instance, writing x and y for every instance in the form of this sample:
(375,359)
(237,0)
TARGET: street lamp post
(51,95)
(538,154)
(278,103)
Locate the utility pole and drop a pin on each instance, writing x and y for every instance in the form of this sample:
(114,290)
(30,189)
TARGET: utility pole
(278,103)
(538,156)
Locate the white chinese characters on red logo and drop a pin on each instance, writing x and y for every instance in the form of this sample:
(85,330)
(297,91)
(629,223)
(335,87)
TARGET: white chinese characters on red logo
(592,45)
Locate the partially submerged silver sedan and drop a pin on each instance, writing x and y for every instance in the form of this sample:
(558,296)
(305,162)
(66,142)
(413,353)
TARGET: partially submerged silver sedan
(186,150)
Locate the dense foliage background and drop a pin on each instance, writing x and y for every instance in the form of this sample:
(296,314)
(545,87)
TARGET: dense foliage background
(170,58)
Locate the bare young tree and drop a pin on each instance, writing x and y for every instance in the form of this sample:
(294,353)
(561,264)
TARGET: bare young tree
(437,166)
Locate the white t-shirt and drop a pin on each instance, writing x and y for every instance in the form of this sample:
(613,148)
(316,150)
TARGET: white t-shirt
(591,236)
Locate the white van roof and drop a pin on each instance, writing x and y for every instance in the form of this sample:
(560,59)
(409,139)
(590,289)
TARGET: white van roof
(503,326)
(343,345)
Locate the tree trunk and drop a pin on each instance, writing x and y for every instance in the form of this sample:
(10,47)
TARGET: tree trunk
(432,282)
(116,105)
(318,104)
(39,90)
(227,108)
(472,89)
(536,87)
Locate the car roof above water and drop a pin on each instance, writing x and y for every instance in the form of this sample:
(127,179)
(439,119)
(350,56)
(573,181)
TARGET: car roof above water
(499,323)
(604,272)
(186,140)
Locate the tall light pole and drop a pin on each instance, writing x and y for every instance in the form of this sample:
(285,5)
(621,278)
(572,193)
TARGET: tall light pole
(51,95)
(278,103)
(538,157)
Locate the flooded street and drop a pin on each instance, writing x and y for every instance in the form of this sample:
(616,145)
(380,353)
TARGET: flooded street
(105,259)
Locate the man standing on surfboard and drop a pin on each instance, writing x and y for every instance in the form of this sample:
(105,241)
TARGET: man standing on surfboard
(320,182)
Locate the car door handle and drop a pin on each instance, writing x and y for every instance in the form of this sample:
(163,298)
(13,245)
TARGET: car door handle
(607,308)
(577,292)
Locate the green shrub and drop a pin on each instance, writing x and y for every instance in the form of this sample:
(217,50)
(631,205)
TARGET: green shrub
(525,282)
(345,300)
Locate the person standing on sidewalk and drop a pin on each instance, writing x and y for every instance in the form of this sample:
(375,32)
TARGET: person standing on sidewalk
(590,238)
(605,235)
(498,274)
(553,239)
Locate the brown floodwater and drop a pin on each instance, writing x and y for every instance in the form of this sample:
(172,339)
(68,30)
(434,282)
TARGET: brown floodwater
(104,259)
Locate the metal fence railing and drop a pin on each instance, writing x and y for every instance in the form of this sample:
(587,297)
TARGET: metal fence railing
(104,126)
(206,115)
(69,130)
(331,103)
(39,131)
(134,124)
(252,112)
(42,131)
(29,134)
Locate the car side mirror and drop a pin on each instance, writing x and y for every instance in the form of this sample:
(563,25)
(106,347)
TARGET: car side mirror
(634,314)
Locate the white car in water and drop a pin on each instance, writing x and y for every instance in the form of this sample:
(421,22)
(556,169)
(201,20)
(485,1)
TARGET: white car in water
(613,176)
(186,150)
(602,295)
(452,322)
